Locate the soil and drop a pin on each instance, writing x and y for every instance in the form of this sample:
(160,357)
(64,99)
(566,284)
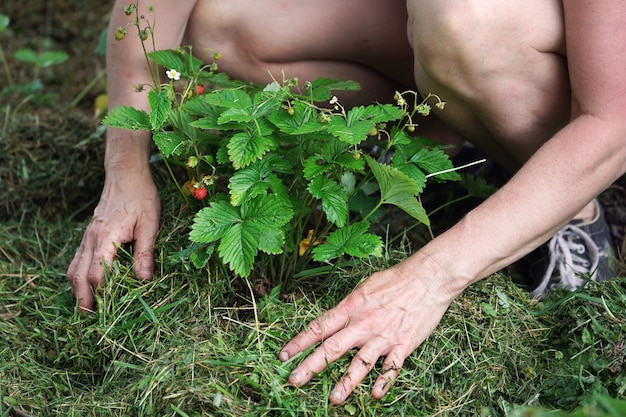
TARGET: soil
(50,152)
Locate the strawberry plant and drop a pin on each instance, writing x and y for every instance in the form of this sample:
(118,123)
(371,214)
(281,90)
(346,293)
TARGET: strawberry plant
(289,176)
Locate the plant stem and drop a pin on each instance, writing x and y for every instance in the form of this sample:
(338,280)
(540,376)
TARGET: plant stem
(88,87)
(6,67)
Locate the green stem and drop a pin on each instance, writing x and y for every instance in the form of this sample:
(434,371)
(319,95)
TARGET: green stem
(6,67)
(87,88)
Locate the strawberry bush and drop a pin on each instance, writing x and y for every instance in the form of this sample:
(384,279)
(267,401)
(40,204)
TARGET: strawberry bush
(285,174)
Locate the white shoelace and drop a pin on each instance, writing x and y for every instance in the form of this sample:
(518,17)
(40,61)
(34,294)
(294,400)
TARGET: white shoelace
(565,256)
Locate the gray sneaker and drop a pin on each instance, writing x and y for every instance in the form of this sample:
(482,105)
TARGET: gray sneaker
(579,252)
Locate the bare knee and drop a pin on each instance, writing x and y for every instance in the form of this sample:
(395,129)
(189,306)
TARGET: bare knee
(499,66)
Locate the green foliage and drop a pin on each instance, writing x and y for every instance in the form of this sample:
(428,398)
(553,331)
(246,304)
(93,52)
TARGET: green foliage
(291,164)
(41,60)
(305,177)
(38,60)
(4,22)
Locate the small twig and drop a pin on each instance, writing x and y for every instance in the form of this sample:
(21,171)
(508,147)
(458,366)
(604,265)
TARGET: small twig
(445,171)
(256,318)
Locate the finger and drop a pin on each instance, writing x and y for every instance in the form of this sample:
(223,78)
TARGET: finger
(83,291)
(77,275)
(144,252)
(390,371)
(360,366)
(331,349)
(323,327)
(102,258)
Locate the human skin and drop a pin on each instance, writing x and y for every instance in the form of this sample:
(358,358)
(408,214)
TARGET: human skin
(506,83)
(361,40)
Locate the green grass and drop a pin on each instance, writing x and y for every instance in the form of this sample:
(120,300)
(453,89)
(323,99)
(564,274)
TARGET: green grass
(196,342)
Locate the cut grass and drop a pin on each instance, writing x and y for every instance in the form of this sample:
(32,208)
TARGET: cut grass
(196,342)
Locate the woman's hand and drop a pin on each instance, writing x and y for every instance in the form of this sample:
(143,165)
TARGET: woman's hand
(389,315)
(129,210)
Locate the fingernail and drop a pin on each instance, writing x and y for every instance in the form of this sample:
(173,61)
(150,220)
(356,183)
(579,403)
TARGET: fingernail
(295,379)
(283,356)
(336,395)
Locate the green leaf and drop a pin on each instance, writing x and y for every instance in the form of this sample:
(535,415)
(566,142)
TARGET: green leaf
(269,212)
(230,98)
(413,172)
(303,121)
(378,113)
(169,143)
(246,147)
(239,246)
(352,240)
(210,122)
(269,100)
(334,199)
(220,79)
(261,229)
(398,189)
(435,160)
(315,165)
(43,60)
(347,160)
(101,47)
(332,154)
(250,182)
(348,182)
(4,22)
(50,58)
(489,310)
(181,121)
(126,117)
(477,186)
(272,241)
(235,114)
(353,134)
(361,120)
(26,55)
(320,89)
(212,222)
(364,204)
(198,106)
(201,255)
(180,60)
(400,136)
(159,108)
(243,231)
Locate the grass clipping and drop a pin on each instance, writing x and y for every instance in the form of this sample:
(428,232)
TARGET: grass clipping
(189,343)
(50,163)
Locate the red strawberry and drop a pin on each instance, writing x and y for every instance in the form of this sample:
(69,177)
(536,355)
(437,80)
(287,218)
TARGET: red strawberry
(200,89)
(199,193)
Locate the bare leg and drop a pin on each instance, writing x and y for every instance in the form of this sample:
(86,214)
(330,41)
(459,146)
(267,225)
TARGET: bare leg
(503,74)
(361,40)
